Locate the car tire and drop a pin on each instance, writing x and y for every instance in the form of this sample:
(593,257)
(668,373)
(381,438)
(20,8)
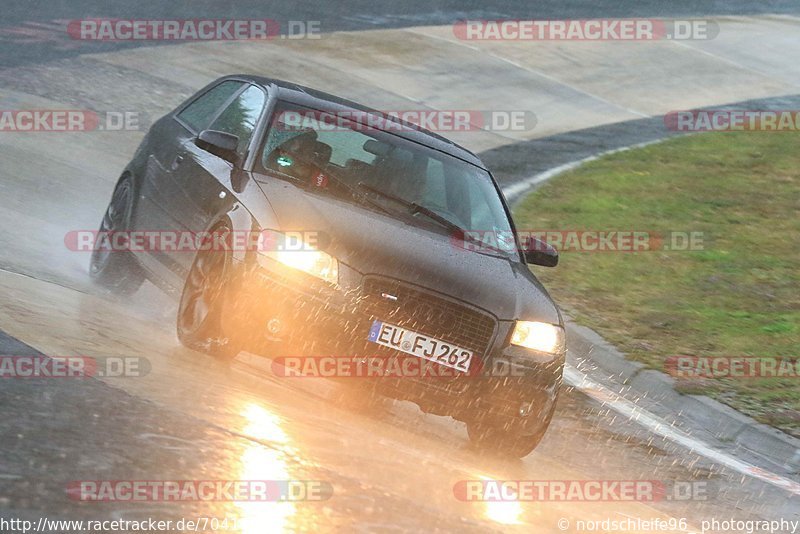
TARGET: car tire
(116,270)
(508,439)
(199,319)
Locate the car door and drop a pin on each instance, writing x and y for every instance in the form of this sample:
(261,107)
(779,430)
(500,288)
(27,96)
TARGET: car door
(203,179)
(161,193)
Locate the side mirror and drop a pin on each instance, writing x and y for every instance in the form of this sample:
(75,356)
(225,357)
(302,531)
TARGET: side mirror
(220,144)
(538,252)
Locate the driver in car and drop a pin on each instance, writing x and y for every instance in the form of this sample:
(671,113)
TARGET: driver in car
(302,157)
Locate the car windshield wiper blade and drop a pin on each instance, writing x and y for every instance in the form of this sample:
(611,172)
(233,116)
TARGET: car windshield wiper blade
(356,194)
(413,208)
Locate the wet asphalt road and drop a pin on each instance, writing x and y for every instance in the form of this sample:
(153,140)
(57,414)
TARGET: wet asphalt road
(391,467)
(30,30)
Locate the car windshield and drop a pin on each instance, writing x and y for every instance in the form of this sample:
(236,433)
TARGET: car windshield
(338,156)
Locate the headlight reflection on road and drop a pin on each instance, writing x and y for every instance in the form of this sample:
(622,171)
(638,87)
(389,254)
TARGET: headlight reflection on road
(262,463)
(503,512)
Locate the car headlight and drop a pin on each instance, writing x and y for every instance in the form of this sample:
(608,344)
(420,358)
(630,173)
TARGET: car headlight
(303,257)
(534,335)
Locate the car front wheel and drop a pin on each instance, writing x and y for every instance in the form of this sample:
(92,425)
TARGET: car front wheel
(199,324)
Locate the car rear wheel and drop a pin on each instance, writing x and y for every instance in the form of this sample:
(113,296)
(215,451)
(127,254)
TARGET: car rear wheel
(199,322)
(113,269)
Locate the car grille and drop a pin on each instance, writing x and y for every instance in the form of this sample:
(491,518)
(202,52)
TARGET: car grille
(429,314)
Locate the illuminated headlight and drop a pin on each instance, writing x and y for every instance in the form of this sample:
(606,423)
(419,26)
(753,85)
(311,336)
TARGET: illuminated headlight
(543,337)
(306,258)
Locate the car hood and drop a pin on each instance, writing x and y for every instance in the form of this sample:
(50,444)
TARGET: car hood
(375,244)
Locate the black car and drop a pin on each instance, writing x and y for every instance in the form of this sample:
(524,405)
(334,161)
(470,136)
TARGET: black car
(370,244)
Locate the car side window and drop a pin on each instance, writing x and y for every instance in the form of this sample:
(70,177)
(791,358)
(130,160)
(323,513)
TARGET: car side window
(241,115)
(202,111)
(346,147)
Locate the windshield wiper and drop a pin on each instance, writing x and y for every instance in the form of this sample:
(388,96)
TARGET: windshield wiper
(414,208)
(356,194)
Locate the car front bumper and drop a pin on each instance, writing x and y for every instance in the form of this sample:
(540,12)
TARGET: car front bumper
(287,314)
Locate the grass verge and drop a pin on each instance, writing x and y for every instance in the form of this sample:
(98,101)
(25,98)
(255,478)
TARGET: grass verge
(738,296)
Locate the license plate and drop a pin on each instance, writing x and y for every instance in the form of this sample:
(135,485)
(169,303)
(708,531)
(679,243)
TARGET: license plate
(420,345)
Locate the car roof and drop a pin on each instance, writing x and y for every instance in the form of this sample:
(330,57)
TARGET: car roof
(312,98)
